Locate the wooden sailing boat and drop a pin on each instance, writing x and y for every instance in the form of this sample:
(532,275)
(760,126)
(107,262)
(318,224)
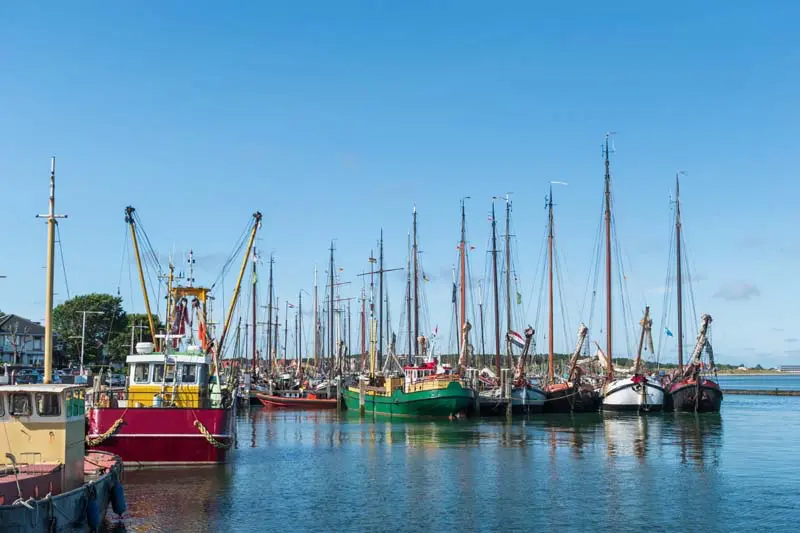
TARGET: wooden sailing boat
(423,389)
(48,480)
(570,395)
(176,409)
(526,396)
(638,392)
(691,388)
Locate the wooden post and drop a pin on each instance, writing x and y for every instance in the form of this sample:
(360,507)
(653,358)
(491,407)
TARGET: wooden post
(362,393)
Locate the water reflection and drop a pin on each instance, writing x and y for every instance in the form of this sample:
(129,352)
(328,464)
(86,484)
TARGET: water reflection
(699,437)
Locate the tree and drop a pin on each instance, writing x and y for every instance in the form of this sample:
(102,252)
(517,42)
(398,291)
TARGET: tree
(119,345)
(101,329)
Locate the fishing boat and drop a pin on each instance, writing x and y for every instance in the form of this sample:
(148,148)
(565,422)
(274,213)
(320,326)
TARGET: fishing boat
(177,409)
(525,396)
(690,388)
(296,399)
(48,481)
(638,392)
(425,390)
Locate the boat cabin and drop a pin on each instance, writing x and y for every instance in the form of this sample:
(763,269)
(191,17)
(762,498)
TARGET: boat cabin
(43,426)
(178,379)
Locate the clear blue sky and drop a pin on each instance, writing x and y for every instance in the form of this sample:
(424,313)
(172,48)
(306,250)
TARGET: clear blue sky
(334,118)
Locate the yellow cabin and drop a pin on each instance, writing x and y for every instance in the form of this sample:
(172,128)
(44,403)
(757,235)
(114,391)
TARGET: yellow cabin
(44,425)
(168,380)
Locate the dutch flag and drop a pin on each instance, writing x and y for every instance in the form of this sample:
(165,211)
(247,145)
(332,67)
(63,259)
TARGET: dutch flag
(516,339)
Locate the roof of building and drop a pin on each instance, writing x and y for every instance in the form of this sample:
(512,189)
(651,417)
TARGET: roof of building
(22,326)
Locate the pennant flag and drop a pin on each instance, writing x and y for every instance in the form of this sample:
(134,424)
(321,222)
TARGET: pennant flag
(519,299)
(668,332)
(436,330)
(425,278)
(516,339)
(291,305)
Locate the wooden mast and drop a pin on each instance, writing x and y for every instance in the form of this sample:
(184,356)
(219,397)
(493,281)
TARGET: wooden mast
(255,302)
(508,279)
(496,294)
(270,362)
(609,353)
(380,303)
(414,253)
(363,327)
(299,333)
(286,332)
(463,259)
(331,349)
(316,321)
(48,305)
(550,364)
(131,223)
(679,273)
(408,304)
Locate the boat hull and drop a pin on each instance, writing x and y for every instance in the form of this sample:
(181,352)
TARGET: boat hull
(630,394)
(684,396)
(562,398)
(281,402)
(66,511)
(524,400)
(151,437)
(444,402)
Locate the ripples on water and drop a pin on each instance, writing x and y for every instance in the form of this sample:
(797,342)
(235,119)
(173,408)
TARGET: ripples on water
(733,471)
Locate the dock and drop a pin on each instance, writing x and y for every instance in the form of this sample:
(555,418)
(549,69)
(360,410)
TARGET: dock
(762,392)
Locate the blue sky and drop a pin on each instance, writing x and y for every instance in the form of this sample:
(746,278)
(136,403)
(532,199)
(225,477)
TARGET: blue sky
(335,118)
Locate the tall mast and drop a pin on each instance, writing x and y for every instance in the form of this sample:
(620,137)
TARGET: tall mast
(550,369)
(416,284)
(363,325)
(269,316)
(349,316)
(408,302)
(508,274)
(496,294)
(48,305)
(299,333)
(380,303)
(331,348)
(129,218)
(463,258)
(316,320)
(679,270)
(277,332)
(609,353)
(255,302)
(480,312)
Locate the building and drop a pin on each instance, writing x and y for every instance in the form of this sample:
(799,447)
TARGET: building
(794,369)
(21,341)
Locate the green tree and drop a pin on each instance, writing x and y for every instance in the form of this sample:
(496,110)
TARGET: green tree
(119,345)
(101,329)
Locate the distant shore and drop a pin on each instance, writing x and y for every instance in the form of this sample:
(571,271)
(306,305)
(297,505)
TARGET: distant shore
(758,373)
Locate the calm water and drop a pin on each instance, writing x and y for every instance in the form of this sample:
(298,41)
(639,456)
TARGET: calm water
(315,472)
(782,382)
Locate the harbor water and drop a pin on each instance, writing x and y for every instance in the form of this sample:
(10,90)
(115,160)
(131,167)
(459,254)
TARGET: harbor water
(323,471)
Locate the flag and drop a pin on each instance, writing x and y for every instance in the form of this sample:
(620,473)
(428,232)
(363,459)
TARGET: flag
(425,278)
(491,219)
(290,305)
(668,332)
(519,299)
(436,330)
(516,339)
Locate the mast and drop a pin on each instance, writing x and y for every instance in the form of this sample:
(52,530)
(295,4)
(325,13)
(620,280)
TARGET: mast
(463,259)
(679,270)
(286,332)
(496,295)
(269,316)
(608,259)
(380,303)
(330,314)
(48,306)
(277,332)
(130,220)
(480,312)
(237,288)
(255,302)
(416,283)
(299,334)
(550,369)
(316,320)
(408,303)
(363,326)
(508,279)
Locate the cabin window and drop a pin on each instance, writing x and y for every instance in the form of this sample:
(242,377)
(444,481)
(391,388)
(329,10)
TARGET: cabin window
(141,373)
(158,373)
(2,406)
(188,373)
(47,404)
(20,404)
(2,370)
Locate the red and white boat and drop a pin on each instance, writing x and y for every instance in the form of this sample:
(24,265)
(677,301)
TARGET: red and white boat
(177,409)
